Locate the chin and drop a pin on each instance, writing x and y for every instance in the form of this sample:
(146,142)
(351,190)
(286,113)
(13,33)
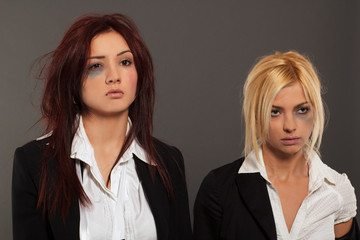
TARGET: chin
(109,112)
(291,150)
(285,151)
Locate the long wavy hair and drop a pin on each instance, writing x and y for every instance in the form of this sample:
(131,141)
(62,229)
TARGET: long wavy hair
(62,103)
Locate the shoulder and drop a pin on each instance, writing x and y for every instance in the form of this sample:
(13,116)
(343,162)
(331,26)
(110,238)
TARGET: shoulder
(232,167)
(226,172)
(216,186)
(164,148)
(31,152)
(27,163)
(170,155)
(219,180)
(342,186)
(340,181)
(34,146)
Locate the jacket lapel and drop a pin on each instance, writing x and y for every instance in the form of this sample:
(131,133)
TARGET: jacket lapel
(68,229)
(156,196)
(252,188)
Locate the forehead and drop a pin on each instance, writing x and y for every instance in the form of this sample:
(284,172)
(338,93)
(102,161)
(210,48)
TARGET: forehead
(291,95)
(108,43)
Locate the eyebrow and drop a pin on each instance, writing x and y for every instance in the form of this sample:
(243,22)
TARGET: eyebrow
(299,105)
(120,53)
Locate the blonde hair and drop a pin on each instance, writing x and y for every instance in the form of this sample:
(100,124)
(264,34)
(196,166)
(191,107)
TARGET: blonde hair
(265,80)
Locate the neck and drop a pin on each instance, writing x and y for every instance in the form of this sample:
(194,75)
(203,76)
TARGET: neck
(283,167)
(107,132)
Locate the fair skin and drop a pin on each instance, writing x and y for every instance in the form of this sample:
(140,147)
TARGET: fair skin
(290,126)
(108,90)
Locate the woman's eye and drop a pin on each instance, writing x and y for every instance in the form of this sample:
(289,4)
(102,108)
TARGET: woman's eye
(303,110)
(94,70)
(125,62)
(274,113)
(94,66)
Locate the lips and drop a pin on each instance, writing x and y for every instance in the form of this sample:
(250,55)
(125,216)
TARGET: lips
(290,140)
(115,93)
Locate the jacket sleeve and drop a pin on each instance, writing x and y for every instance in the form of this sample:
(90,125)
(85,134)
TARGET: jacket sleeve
(183,223)
(28,221)
(207,210)
(353,234)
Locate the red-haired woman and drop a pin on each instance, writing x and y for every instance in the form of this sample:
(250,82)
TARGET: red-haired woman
(98,173)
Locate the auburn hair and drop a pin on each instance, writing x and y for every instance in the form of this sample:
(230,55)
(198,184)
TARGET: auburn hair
(62,103)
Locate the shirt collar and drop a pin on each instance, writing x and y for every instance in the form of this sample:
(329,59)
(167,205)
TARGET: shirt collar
(318,171)
(82,149)
(252,165)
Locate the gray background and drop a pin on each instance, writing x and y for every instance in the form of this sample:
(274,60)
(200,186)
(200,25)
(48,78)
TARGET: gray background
(202,52)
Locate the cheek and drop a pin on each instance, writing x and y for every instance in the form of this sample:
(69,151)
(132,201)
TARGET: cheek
(275,129)
(133,82)
(85,94)
(307,123)
(305,118)
(94,73)
(89,91)
(86,89)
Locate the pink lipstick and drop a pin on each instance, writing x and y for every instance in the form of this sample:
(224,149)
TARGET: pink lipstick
(290,140)
(115,93)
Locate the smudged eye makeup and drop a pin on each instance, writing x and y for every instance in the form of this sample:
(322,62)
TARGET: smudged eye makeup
(96,68)
(303,110)
(304,113)
(300,110)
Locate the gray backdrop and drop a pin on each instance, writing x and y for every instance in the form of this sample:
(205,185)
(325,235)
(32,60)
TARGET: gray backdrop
(202,52)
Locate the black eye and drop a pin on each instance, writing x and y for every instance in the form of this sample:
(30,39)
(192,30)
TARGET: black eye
(94,66)
(303,110)
(274,113)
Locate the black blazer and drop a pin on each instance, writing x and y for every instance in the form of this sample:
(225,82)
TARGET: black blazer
(171,216)
(237,206)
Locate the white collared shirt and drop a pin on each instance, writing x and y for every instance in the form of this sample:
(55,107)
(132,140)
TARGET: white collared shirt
(121,212)
(331,200)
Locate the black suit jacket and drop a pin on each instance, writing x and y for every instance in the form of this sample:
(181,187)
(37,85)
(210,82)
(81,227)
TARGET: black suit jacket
(171,216)
(237,206)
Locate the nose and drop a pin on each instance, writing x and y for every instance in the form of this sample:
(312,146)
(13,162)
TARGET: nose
(289,124)
(113,76)
(110,81)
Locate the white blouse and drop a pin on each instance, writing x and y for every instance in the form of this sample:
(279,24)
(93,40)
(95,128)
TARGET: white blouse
(331,200)
(121,212)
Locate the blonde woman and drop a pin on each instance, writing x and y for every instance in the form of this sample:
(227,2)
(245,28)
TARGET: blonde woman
(281,189)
